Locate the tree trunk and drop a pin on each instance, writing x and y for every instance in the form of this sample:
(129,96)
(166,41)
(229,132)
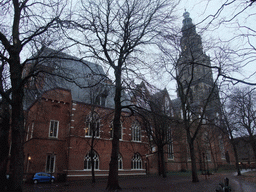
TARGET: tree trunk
(193,162)
(162,162)
(113,183)
(92,160)
(200,157)
(4,149)
(17,123)
(213,157)
(17,158)
(159,162)
(236,156)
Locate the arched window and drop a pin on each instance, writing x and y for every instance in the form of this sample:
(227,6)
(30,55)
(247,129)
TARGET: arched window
(87,161)
(120,161)
(136,131)
(120,133)
(92,125)
(136,161)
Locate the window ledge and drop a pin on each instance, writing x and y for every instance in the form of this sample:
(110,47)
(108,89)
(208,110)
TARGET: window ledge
(56,138)
(136,141)
(86,136)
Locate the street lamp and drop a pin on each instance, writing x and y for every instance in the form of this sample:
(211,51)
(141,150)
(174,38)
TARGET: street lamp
(29,160)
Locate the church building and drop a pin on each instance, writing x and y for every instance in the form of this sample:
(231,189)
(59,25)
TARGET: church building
(69,116)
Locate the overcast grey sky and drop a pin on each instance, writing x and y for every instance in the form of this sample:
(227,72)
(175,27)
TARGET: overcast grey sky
(236,17)
(230,23)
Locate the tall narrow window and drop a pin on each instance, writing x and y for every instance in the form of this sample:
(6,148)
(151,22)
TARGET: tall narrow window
(32,82)
(27,133)
(54,126)
(170,151)
(208,155)
(136,131)
(120,161)
(221,146)
(32,130)
(87,161)
(101,100)
(50,163)
(92,125)
(170,145)
(120,133)
(136,161)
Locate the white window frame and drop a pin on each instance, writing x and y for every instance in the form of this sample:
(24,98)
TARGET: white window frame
(170,153)
(87,160)
(208,156)
(112,132)
(120,161)
(101,100)
(54,163)
(32,130)
(136,131)
(136,161)
(88,132)
(27,133)
(222,148)
(88,122)
(57,129)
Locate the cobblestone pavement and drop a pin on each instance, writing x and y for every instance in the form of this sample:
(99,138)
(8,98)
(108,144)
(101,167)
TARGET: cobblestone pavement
(150,184)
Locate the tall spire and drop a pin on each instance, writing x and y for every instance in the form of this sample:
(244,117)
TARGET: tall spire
(190,41)
(188,27)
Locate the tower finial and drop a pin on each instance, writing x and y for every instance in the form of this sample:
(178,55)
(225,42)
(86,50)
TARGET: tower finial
(186,14)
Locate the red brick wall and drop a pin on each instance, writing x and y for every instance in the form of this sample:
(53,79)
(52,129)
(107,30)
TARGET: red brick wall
(80,145)
(71,146)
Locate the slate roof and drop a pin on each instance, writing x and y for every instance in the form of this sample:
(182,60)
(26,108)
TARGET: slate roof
(68,72)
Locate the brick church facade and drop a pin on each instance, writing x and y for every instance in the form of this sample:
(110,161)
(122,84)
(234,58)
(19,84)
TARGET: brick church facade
(59,138)
(59,120)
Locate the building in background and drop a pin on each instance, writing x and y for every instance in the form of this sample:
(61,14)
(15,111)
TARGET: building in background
(61,115)
(73,97)
(196,83)
(246,156)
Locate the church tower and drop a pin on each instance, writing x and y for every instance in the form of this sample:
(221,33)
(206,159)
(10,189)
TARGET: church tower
(194,71)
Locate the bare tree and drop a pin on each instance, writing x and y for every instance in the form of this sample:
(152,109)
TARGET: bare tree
(235,18)
(158,120)
(97,95)
(4,126)
(191,63)
(242,103)
(23,25)
(230,128)
(196,80)
(113,32)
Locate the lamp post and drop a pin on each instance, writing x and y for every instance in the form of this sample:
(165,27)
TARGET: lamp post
(29,159)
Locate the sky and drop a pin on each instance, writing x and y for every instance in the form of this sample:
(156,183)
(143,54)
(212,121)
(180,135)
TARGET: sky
(237,28)
(206,15)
